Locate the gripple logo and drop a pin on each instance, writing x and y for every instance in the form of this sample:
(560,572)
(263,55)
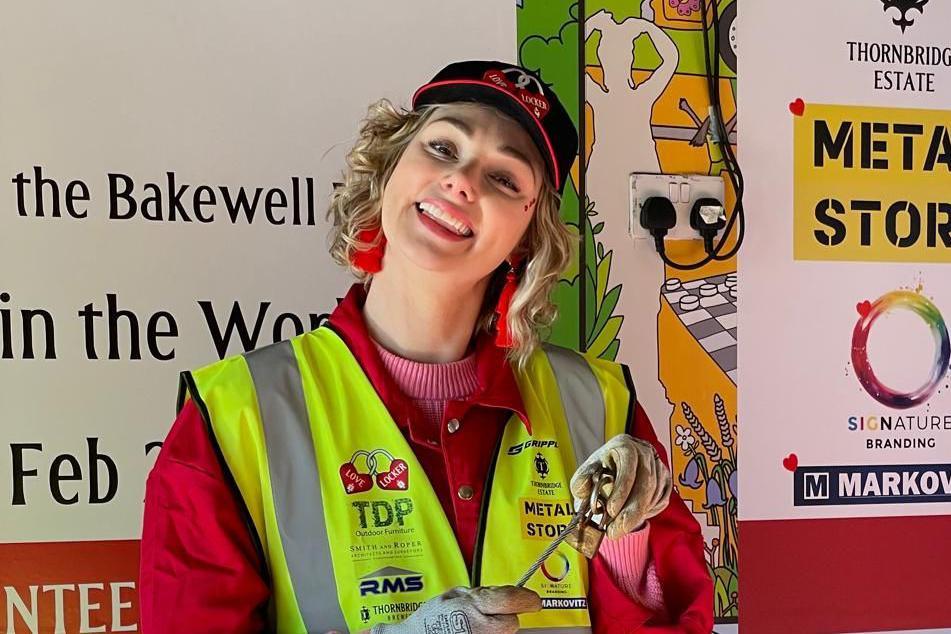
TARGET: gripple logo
(391,580)
(517,448)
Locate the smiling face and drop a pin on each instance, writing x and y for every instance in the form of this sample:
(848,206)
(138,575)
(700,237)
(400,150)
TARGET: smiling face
(462,194)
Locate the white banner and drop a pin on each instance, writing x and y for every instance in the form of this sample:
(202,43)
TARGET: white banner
(166,169)
(845,404)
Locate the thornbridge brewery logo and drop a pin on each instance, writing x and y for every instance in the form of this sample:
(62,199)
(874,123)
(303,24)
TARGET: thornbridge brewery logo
(904,9)
(541,465)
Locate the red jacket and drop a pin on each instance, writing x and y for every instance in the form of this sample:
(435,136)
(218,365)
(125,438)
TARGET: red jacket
(200,568)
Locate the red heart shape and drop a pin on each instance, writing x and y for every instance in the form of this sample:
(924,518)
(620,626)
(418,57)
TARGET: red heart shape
(396,479)
(353,480)
(791,462)
(797,107)
(864,308)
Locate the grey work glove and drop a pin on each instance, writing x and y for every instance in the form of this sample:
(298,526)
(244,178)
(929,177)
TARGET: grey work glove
(488,610)
(641,488)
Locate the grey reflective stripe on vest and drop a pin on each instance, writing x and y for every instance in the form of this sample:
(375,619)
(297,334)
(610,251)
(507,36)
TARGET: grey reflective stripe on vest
(295,484)
(583,404)
(581,398)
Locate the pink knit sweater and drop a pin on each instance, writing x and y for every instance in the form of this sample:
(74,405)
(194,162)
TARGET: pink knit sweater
(431,385)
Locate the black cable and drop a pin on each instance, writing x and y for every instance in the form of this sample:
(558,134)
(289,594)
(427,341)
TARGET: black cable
(659,216)
(582,184)
(733,167)
(716,102)
(658,240)
(726,150)
(723,139)
(713,95)
(679,266)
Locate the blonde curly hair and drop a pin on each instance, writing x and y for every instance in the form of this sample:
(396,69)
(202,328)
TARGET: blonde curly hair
(355,206)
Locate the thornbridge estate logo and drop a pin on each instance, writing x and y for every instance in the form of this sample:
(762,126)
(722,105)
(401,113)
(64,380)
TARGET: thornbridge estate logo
(904,9)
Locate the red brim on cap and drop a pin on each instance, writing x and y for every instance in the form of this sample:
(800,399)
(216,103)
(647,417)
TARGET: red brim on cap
(485,92)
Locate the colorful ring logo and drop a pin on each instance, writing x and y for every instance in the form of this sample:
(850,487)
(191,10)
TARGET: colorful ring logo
(564,573)
(924,308)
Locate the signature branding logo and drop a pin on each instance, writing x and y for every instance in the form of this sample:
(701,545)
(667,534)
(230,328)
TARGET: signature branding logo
(869,313)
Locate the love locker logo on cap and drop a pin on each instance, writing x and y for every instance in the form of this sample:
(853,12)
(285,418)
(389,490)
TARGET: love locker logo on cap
(520,84)
(395,477)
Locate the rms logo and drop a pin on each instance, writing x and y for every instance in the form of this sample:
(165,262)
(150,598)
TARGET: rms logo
(390,580)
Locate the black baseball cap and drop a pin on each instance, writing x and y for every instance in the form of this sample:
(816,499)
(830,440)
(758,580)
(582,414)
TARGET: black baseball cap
(519,93)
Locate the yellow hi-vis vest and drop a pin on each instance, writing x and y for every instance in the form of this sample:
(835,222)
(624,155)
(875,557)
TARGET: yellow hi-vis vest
(349,526)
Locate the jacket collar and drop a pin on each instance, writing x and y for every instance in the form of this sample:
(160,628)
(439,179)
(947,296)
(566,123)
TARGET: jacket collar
(497,385)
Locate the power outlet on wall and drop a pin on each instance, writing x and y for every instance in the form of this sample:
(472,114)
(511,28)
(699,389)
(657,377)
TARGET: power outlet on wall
(682,190)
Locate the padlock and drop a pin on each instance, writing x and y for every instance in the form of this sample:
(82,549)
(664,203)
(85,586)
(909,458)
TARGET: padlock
(586,537)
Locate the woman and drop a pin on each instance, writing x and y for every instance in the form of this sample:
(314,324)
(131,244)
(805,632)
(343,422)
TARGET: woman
(398,468)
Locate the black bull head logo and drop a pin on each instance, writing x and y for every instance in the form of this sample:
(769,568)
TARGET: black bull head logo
(904,6)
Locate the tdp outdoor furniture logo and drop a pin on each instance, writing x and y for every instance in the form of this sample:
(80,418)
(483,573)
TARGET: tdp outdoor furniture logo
(904,7)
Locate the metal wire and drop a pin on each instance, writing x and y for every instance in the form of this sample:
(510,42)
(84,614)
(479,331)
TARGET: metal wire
(595,505)
(551,548)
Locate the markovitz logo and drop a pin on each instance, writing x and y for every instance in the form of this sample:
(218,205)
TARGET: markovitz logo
(565,603)
(904,7)
(871,484)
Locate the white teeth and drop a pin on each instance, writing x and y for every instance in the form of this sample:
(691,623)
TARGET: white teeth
(444,219)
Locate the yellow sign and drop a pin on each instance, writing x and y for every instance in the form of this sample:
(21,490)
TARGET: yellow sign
(543,519)
(872,184)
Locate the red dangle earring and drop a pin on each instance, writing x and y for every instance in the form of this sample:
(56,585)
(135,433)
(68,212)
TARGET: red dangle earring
(369,260)
(503,338)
